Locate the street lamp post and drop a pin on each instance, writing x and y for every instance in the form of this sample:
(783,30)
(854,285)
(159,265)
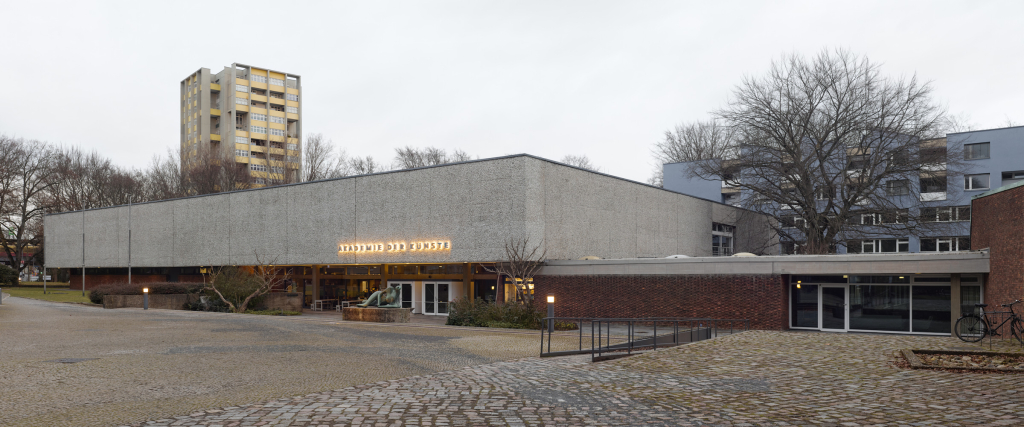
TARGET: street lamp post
(551,313)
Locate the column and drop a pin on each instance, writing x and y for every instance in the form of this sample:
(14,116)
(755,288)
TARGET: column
(316,282)
(954,301)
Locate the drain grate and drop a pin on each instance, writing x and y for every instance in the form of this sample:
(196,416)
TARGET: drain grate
(71,360)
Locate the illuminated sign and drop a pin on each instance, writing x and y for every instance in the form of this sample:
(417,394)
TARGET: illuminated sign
(396,247)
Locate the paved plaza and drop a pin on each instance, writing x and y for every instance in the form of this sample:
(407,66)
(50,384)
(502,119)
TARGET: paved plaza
(751,378)
(159,363)
(202,369)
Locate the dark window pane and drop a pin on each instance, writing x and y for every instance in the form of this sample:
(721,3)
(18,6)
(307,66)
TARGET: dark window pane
(963,213)
(888,245)
(976,151)
(833,308)
(969,295)
(928,245)
(880,308)
(963,243)
(931,309)
(805,306)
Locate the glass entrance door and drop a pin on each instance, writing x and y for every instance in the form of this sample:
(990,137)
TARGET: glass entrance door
(833,308)
(435,298)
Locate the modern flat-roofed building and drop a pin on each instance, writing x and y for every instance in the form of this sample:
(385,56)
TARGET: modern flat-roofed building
(429,230)
(990,158)
(249,113)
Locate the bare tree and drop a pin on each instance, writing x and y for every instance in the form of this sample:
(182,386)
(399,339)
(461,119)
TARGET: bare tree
(24,170)
(321,162)
(237,288)
(520,265)
(83,180)
(830,146)
(363,166)
(208,170)
(409,157)
(581,161)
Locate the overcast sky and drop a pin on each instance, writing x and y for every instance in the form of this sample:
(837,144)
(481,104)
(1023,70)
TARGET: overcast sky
(549,78)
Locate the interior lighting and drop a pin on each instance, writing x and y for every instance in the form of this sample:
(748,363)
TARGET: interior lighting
(798,284)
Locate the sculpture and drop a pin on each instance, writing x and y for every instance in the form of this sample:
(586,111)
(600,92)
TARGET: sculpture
(387,298)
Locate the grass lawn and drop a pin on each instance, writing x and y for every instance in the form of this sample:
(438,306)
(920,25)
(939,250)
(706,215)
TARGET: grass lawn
(48,284)
(53,294)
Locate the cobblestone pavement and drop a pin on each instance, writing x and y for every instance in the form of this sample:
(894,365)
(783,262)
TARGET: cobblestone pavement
(751,378)
(141,365)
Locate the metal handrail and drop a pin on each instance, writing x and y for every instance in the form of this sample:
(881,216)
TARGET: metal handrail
(629,342)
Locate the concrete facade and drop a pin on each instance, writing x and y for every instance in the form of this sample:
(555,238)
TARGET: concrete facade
(225,112)
(475,206)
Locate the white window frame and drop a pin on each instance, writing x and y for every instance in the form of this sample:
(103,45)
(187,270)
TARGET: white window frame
(241,101)
(258,129)
(876,246)
(970,187)
(292,97)
(258,116)
(290,109)
(968,148)
(241,88)
(276,82)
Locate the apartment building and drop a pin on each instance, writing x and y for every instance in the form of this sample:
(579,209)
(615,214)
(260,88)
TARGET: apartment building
(990,158)
(253,114)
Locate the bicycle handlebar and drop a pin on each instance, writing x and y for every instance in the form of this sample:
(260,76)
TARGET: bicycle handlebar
(1015,302)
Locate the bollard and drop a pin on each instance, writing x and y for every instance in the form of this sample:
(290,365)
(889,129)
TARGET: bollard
(145,298)
(1,296)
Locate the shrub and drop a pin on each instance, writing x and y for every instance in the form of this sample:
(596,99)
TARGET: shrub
(157,288)
(8,276)
(236,285)
(465,312)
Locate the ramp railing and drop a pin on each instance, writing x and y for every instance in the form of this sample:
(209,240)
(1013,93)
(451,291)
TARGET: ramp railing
(610,338)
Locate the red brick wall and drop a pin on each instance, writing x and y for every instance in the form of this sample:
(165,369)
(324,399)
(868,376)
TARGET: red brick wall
(760,298)
(997,223)
(94,280)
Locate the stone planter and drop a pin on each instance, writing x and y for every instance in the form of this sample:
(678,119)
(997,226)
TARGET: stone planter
(165,302)
(379,315)
(287,301)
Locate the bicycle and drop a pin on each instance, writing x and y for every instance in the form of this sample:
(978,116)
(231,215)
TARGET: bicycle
(973,328)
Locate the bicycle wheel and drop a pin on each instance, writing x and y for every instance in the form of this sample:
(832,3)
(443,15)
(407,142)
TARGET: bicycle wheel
(970,328)
(1017,330)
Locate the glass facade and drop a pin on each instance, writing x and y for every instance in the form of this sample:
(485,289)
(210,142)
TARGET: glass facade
(804,310)
(932,309)
(892,303)
(880,308)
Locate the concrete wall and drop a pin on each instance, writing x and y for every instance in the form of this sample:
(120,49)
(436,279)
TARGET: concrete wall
(475,205)
(676,178)
(165,302)
(289,301)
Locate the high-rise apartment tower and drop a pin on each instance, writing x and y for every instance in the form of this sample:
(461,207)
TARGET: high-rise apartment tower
(265,108)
